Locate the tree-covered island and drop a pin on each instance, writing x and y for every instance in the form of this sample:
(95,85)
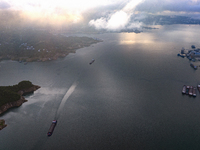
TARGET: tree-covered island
(39,45)
(12,96)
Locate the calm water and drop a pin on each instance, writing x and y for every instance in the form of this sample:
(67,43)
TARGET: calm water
(129,98)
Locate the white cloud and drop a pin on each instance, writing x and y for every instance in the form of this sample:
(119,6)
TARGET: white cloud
(117,20)
(99,23)
(135,25)
(4,5)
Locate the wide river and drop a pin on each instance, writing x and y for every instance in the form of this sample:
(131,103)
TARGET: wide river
(129,98)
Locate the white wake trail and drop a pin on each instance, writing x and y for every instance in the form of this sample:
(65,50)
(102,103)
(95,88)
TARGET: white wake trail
(67,95)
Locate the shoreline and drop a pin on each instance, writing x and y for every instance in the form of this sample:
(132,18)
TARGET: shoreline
(17,103)
(49,55)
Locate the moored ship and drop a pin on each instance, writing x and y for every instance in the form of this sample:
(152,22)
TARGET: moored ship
(191,91)
(184,89)
(194,93)
(198,87)
(187,90)
(193,66)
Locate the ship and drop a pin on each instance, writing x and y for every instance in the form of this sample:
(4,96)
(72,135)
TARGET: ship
(181,55)
(187,90)
(53,125)
(184,89)
(194,93)
(191,91)
(193,66)
(198,87)
(92,61)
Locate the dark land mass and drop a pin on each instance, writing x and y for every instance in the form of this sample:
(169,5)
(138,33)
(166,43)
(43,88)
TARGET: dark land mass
(39,45)
(168,20)
(12,96)
(149,28)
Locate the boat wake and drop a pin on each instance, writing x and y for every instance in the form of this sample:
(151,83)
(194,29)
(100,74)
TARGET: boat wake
(67,95)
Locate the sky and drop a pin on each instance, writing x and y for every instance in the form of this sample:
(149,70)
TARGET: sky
(99,14)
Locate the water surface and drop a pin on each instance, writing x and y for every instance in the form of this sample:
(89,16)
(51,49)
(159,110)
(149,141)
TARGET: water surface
(129,98)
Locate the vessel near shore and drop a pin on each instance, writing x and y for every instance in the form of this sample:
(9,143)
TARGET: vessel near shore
(53,125)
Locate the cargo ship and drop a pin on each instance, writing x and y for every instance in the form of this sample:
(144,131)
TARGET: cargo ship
(194,93)
(191,91)
(92,61)
(198,87)
(184,89)
(53,125)
(187,90)
(193,66)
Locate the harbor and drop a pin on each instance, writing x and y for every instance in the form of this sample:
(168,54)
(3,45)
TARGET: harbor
(192,54)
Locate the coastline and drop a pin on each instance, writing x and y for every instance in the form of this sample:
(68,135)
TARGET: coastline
(49,53)
(17,103)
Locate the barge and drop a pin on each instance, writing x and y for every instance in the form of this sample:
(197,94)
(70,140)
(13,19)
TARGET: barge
(53,125)
(180,55)
(184,89)
(193,66)
(194,93)
(191,91)
(187,90)
(92,61)
(198,87)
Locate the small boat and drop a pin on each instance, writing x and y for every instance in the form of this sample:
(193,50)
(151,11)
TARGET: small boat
(191,91)
(193,46)
(92,61)
(193,66)
(53,125)
(184,89)
(187,90)
(181,55)
(198,87)
(194,93)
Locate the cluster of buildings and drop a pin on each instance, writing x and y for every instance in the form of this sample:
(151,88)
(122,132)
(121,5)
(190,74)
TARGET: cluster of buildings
(26,46)
(40,50)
